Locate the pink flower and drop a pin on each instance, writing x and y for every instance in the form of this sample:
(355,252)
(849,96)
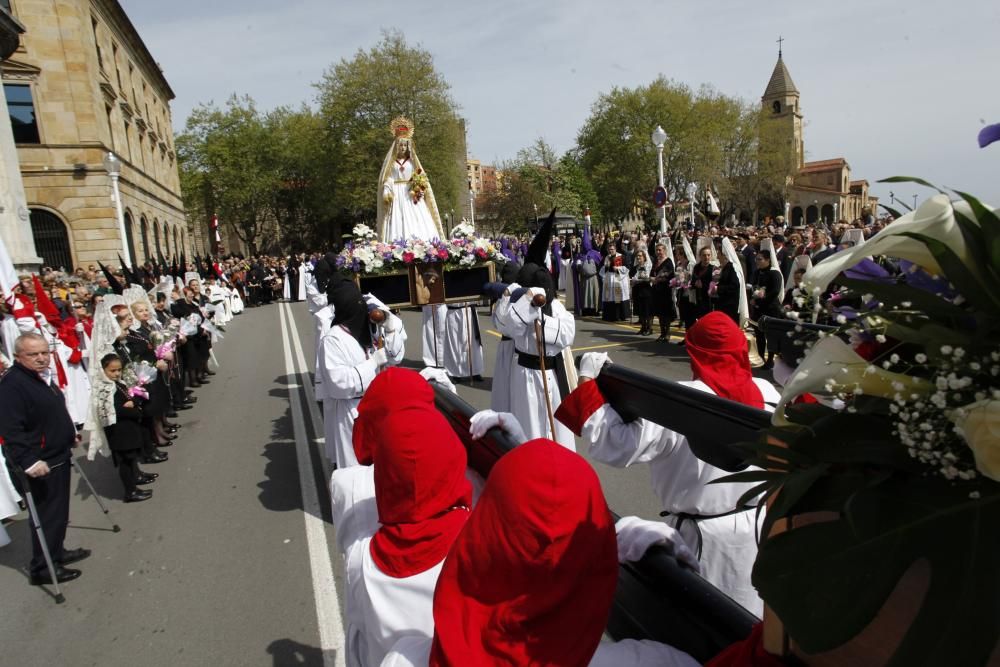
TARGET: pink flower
(408,257)
(442,253)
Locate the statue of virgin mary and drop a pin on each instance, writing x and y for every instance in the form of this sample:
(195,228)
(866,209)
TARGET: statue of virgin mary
(406,206)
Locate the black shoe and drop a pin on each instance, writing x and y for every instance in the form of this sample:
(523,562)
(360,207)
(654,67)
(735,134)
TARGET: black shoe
(151,475)
(170,437)
(138,496)
(168,443)
(205,381)
(188,392)
(180,406)
(171,413)
(145,479)
(63,574)
(73,556)
(158,457)
(190,400)
(209,372)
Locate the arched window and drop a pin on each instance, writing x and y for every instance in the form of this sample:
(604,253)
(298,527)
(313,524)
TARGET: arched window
(812,213)
(827,213)
(144,230)
(51,240)
(130,238)
(776,106)
(797,216)
(156,237)
(177,245)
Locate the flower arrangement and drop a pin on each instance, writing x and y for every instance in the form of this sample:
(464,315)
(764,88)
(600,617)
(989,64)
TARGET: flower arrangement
(418,185)
(905,467)
(367,255)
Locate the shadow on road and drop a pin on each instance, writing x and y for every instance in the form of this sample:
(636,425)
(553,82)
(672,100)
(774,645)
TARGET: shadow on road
(17,554)
(279,490)
(285,652)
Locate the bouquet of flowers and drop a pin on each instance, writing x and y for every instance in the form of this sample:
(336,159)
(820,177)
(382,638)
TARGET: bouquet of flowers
(759,293)
(713,286)
(369,256)
(418,185)
(907,471)
(165,342)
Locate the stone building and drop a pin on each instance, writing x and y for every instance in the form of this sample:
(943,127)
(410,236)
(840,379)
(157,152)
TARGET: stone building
(82,84)
(15,229)
(818,190)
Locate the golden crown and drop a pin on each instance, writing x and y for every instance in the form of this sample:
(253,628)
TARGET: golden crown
(401,126)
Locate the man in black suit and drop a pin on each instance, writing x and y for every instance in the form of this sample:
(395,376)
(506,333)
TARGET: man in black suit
(784,259)
(38,435)
(748,257)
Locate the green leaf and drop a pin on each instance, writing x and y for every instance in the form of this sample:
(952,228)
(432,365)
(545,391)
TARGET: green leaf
(959,275)
(748,476)
(893,212)
(989,223)
(911,179)
(793,489)
(827,581)
(922,300)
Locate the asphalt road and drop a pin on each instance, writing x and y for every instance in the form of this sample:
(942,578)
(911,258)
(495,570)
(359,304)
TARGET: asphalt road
(230,562)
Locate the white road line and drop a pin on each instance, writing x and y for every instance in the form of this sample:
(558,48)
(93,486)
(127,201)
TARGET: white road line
(331,625)
(314,416)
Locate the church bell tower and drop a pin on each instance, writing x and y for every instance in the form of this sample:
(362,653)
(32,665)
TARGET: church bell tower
(780,105)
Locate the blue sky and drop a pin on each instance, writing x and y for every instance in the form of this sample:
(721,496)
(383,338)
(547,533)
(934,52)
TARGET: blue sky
(895,87)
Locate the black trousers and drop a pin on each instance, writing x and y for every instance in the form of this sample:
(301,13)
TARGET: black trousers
(51,496)
(128,468)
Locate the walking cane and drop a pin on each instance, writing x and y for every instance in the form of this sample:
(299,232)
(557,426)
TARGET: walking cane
(39,533)
(545,377)
(114,526)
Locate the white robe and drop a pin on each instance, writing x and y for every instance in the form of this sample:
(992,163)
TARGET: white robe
(459,336)
(416,652)
(434,335)
(77,389)
(301,287)
(527,393)
(346,372)
(286,287)
(406,219)
(680,480)
(8,495)
(379,609)
(502,369)
(322,318)
(237,302)
(616,284)
(565,274)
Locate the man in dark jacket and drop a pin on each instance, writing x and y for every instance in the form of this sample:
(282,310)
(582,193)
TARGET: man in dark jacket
(38,435)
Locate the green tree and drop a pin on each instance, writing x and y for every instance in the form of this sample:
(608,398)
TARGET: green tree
(227,165)
(358,98)
(616,153)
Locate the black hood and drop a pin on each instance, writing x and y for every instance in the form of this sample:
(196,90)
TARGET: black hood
(350,310)
(539,247)
(536,275)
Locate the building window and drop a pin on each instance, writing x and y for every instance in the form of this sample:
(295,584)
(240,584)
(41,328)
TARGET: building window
(51,240)
(776,106)
(97,44)
(111,132)
(118,70)
(144,230)
(22,113)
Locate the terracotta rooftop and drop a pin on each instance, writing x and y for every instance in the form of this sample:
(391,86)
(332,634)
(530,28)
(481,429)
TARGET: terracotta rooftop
(781,81)
(823,165)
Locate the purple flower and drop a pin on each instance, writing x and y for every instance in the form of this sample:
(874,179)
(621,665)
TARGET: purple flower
(866,269)
(988,135)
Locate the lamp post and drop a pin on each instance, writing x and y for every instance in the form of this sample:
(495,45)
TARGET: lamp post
(472,207)
(692,191)
(659,138)
(114,168)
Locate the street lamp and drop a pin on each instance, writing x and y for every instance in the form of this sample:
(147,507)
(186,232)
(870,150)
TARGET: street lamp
(692,191)
(114,168)
(472,207)
(659,138)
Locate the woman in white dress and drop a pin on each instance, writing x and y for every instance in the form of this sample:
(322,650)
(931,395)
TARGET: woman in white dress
(406,206)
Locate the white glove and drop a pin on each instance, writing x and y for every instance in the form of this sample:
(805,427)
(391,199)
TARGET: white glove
(390,324)
(636,536)
(380,357)
(484,420)
(440,376)
(592,363)
(535,291)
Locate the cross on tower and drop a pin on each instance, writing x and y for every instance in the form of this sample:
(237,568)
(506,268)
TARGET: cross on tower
(780,40)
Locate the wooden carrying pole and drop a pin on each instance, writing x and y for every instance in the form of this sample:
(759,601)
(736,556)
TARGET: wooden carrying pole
(540,339)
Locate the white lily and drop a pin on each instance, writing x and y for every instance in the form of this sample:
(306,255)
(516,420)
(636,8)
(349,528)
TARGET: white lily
(832,366)
(934,218)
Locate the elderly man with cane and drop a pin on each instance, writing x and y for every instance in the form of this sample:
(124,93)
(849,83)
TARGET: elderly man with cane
(38,435)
